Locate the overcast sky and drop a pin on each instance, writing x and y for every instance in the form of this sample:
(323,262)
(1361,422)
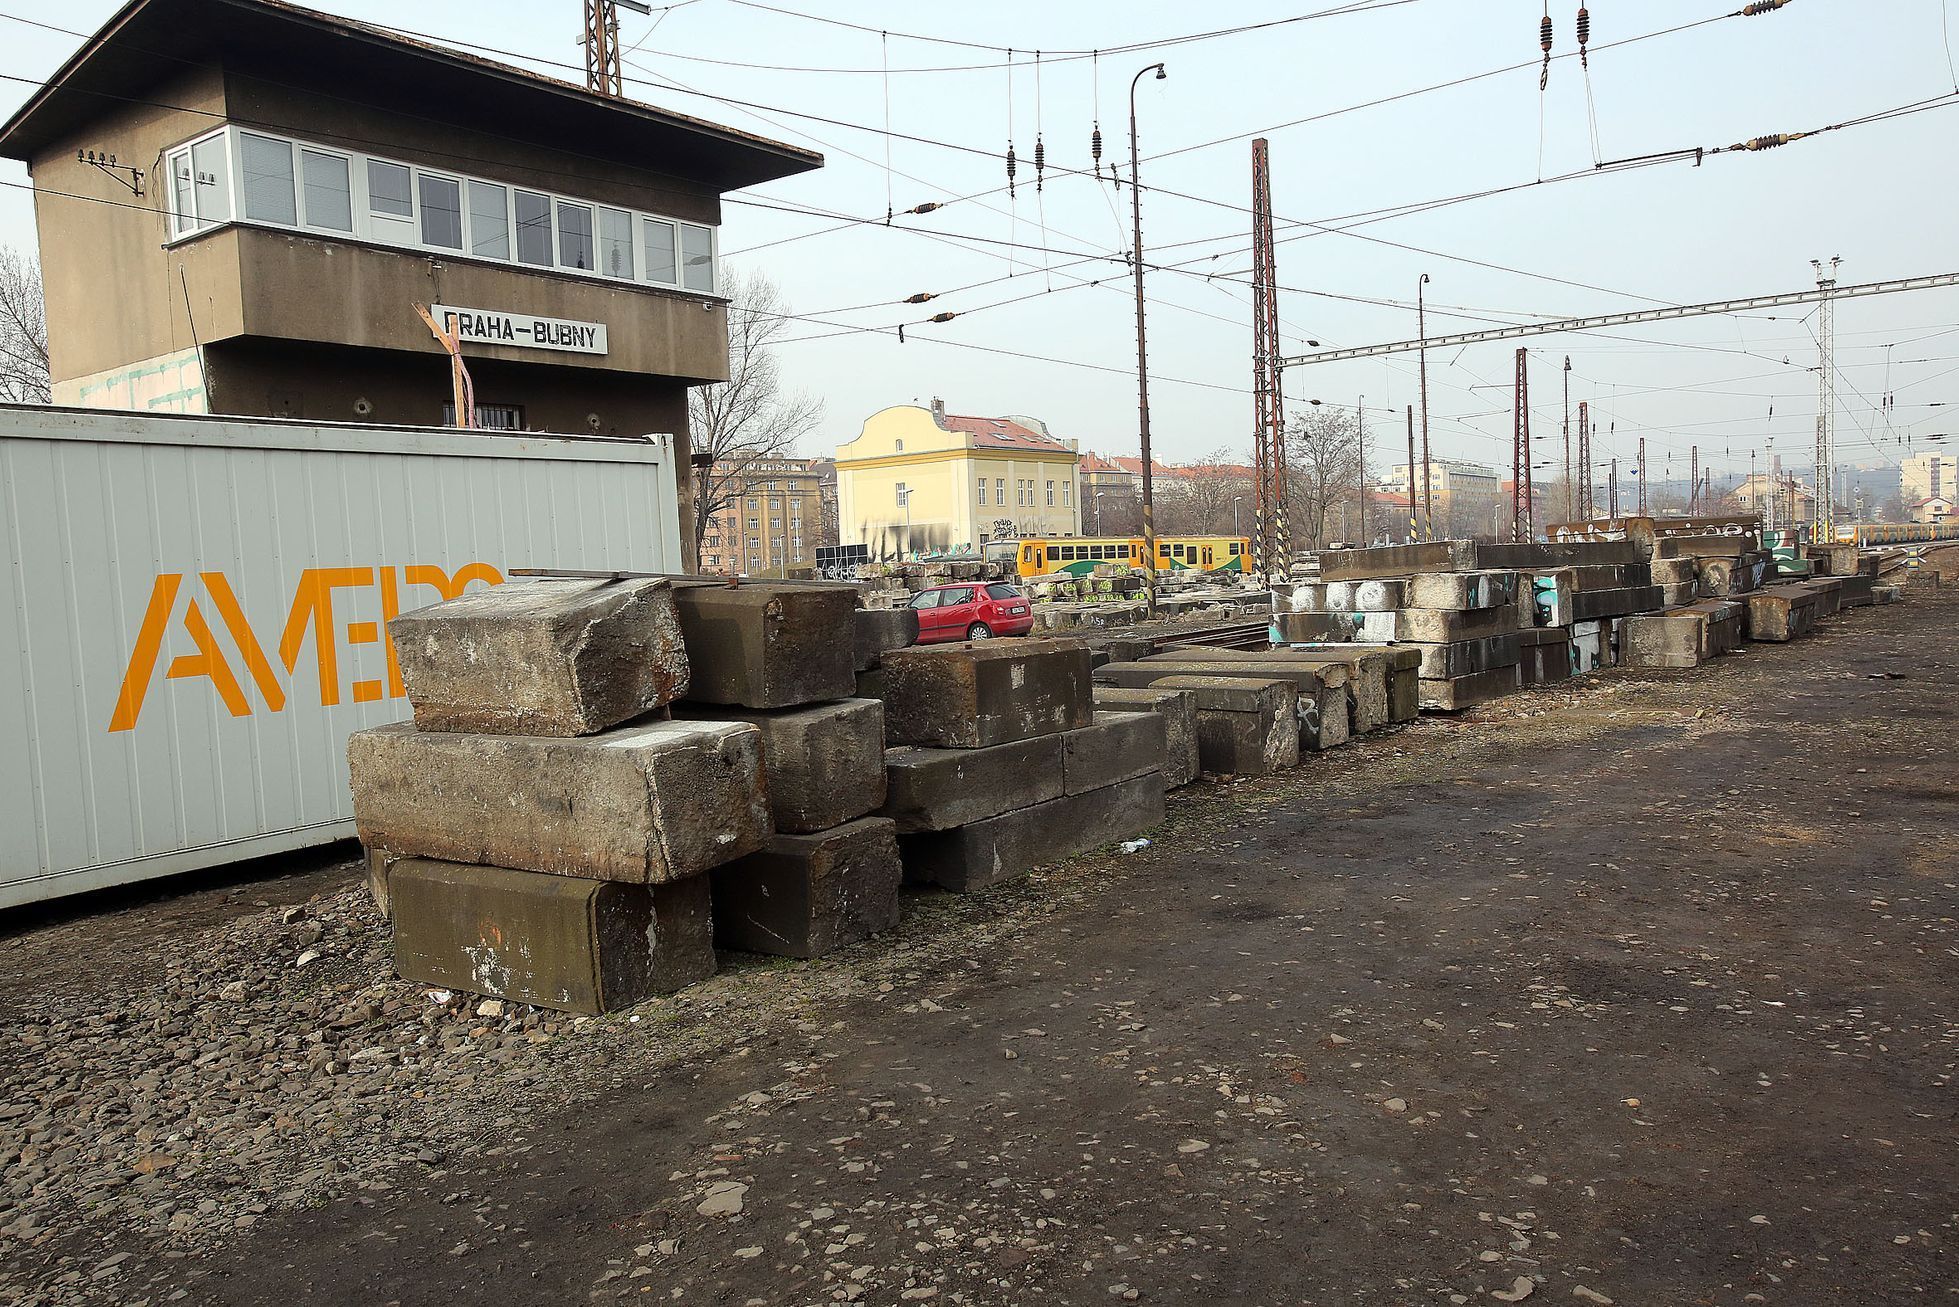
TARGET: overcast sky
(1882,196)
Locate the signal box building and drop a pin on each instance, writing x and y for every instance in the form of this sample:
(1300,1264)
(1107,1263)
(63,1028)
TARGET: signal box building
(241,204)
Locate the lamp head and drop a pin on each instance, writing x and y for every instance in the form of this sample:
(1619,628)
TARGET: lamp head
(1160,73)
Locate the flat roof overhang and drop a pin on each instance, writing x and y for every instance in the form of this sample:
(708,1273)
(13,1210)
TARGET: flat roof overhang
(147,40)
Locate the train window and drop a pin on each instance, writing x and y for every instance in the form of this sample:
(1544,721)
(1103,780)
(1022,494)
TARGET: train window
(1027,553)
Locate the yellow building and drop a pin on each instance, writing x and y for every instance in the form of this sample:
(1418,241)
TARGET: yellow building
(918,481)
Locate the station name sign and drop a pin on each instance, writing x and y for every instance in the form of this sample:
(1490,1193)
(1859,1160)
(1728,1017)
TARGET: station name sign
(521,330)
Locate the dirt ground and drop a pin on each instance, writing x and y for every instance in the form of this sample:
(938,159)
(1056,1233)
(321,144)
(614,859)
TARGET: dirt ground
(1639,991)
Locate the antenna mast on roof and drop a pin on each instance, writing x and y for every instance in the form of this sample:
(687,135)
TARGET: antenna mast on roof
(601,42)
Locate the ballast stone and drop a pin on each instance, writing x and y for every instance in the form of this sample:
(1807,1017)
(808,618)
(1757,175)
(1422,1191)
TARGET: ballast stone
(545,657)
(585,946)
(644,804)
(807,895)
(971,695)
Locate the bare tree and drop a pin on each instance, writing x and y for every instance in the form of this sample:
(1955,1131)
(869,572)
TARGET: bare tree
(1322,473)
(1198,499)
(23,331)
(749,417)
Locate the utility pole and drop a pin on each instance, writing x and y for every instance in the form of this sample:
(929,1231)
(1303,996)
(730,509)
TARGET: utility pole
(1360,423)
(1584,469)
(1521,527)
(1271,552)
(1411,474)
(1568,505)
(1826,395)
(601,42)
(1694,482)
(1421,330)
(1612,490)
(1142,349)
(1642,476)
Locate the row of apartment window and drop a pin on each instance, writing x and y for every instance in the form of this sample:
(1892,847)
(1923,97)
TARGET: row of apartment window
(236,174)
(1024,493)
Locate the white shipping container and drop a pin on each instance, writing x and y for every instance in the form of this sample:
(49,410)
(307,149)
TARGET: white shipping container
(195,614)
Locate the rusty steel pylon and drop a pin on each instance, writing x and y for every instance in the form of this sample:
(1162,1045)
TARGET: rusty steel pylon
(1271,550)
(1523,526)
(1587,507)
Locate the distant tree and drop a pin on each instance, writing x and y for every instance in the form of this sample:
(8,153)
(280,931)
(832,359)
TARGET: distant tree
(23,331)
(1322,473)
(751,416)
(1198,499)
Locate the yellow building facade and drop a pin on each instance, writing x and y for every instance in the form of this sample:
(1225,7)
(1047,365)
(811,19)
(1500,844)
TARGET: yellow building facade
(921,481)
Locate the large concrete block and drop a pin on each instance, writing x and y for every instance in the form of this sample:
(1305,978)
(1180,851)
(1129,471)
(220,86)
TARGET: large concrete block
(1781,612)
(1245,726)
(1337,596)
(1703,546)
(824,763)
(545,657)
(645,804)
(1672,571)
(970,695)
(1404,694)
(1324,703)
(1387,561)
(1660,640)
(1440,626)
(1014,843)
(938,789)
(880,630)
(559,942)
(1178,709)
(1461,692)
(1318,628)
(764,645)
(807,895)
(1117,746)
(1462,591)
(1442,662)
(1596,605)
(1541,555)
(1545,657)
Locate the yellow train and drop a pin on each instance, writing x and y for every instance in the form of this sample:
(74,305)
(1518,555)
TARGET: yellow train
(1867,534)
(1034,557)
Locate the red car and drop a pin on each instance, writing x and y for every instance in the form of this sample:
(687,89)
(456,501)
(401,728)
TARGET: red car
(971,610)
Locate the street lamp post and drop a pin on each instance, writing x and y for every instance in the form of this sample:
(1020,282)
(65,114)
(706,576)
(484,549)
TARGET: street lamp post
(1098,511)
(1142,346)
(1235,501)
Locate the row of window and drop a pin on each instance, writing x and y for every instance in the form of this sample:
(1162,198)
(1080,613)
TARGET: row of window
(1164,549)
(290,183)
(1025,495)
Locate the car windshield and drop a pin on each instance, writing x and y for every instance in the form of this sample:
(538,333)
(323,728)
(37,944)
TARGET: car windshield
(929,599)
(1001,590)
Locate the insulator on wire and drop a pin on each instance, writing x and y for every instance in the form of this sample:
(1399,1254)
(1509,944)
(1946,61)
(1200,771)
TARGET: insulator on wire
(921,297)
(1760,7)
(1544,40)
(1011,166)
(1769,142)
(929,207)
(1584,36)
(1095,148)
(1040,162)
(942,317)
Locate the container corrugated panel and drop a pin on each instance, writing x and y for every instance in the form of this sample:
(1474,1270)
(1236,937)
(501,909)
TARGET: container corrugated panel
(192,614)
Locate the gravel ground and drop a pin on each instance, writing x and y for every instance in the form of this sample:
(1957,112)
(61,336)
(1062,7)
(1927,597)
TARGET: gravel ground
(1638,990)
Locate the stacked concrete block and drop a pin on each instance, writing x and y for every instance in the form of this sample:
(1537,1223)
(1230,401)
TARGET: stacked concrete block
(1544,656)
(998,760)
(768,645)
(1246,726)
(829,875)
(1178,709)
(537,833)
(1683,637)
(808,894)
(1332,690)
(1780,613)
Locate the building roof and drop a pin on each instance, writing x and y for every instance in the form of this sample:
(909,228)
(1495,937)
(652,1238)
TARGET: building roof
(1130,465)
(1002,433)
(148,40)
